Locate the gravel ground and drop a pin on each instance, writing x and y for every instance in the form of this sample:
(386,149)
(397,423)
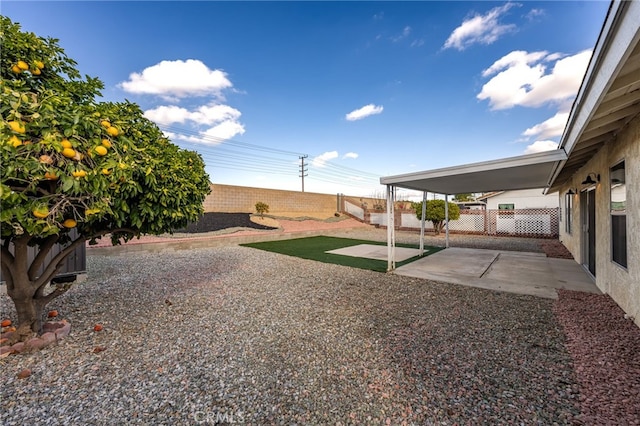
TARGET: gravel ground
(605,347)
(236,335)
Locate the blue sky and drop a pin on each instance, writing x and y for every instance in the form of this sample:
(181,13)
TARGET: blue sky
(363,89)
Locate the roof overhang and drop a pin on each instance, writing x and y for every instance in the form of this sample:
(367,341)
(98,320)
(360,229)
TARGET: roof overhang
(609,97)
(522,172)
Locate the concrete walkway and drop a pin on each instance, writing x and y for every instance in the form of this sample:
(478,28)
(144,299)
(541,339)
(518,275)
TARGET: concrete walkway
(516,272)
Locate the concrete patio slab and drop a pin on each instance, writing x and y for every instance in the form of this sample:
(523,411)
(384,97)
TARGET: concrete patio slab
(378,252)
(516,272)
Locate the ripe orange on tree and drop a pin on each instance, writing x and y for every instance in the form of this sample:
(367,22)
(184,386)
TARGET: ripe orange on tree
(17,126)
(65,143)
(112,131)
(41,212)
(101,150)
(50,176)
(69,223)
(69,152)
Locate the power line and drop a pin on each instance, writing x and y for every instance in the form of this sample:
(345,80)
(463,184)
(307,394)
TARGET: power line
(230,154)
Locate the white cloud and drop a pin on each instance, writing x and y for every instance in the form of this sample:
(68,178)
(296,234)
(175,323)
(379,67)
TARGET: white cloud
(222,119)
(212,136)
(563,81)
(225,130)
(350,155)
(514,59)
(549,128)
(321,160)
(521,79)
(205,114)
(178,79)
(540,146)
(534,13)
(167,114)
(480,29)
(363,112)
(405,33)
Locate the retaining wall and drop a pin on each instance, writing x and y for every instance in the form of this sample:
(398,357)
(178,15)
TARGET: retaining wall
(242,199)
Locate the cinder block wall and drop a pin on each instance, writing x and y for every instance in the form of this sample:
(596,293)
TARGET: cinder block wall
(242,199)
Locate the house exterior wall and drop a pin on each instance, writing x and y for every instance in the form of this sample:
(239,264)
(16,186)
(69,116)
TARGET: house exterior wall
(622,284)
(523,199)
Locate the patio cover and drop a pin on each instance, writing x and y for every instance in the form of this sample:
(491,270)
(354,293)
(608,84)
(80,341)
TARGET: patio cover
(522,172)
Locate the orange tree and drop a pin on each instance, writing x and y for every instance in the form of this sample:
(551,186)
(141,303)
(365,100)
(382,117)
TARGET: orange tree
(74,169)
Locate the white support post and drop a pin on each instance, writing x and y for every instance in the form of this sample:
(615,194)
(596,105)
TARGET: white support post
(422,221)
(391,229)
(446,219)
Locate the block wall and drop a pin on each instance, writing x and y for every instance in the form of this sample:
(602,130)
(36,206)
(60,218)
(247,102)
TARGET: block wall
(241,199)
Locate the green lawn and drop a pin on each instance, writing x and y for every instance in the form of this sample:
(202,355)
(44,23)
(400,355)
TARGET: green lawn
(315,248)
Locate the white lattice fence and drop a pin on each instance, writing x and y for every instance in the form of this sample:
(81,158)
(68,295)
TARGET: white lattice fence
(523,222)
(471,221)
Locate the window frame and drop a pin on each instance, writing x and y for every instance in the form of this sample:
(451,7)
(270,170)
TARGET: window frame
(616,211)
(513,206)
(568,210)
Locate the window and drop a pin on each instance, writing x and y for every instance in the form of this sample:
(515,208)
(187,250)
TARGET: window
(568,208)
(506,206)
(618,209)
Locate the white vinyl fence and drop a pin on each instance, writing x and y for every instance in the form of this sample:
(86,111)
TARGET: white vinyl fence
(523,222)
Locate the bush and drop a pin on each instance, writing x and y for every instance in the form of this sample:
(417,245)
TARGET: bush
(262,208)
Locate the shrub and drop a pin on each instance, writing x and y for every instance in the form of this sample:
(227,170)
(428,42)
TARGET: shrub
(262,208)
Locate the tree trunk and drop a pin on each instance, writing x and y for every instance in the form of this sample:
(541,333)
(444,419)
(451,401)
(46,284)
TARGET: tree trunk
(25,288)
(29,317)
(437,226)
(22,291)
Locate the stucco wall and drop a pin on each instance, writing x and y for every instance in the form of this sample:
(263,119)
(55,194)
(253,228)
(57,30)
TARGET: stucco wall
(622,284)
(523,199)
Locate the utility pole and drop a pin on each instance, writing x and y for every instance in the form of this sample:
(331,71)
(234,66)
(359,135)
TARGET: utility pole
(303,169)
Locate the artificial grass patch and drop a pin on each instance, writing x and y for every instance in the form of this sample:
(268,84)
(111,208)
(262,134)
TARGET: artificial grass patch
(315,248)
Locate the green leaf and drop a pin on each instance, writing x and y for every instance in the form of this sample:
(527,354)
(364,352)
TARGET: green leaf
(67,184)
